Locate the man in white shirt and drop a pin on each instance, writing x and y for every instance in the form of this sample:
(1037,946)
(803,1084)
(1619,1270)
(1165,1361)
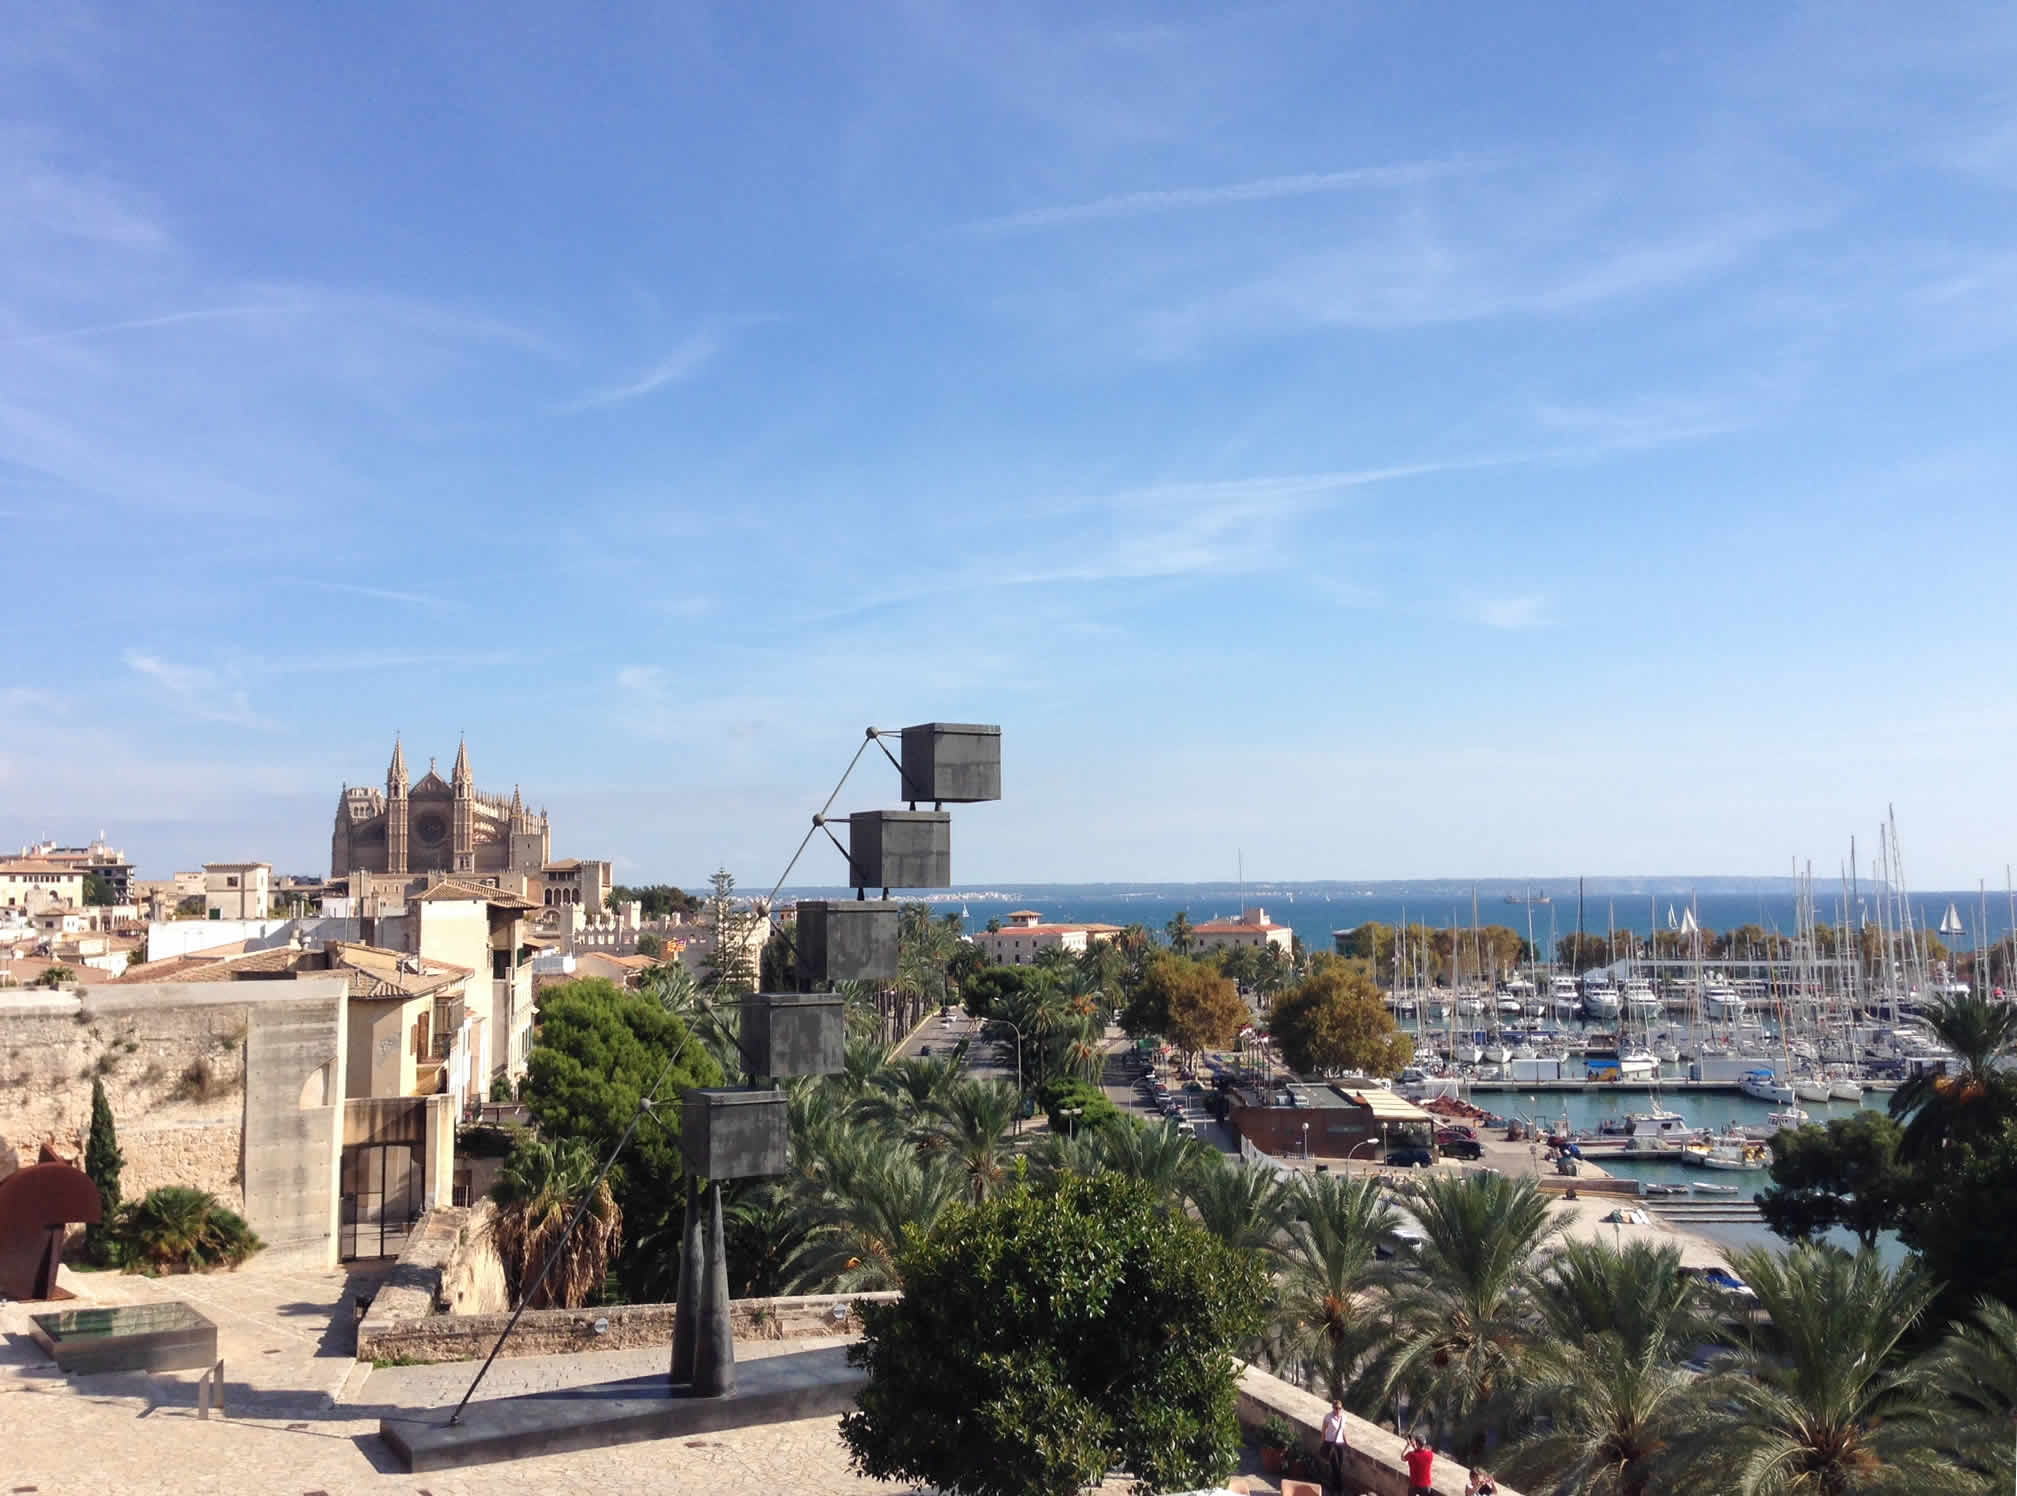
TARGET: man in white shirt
(1334,1446)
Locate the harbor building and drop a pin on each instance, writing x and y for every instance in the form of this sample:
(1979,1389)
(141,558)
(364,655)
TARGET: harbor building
(1025,936)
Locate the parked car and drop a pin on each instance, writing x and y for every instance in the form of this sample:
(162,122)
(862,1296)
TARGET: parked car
(1455,1134)
(1466,1148)
(1409,1158)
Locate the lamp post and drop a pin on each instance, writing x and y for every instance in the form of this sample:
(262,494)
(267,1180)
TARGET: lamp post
(1019,1070)
(1362,1143)
(1073,1112)
(1306,1142)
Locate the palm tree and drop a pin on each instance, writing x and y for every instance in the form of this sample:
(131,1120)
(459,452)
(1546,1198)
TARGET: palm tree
(1603,1388)
(1159,1155)
(904,1096)
(537,1192)
(1328,1318)
(975,1118)
(1179,931)
(1820,1398)
(1978,1095)
(855,1234)
(1464,1327)
(1244,1208)
(1978,1366)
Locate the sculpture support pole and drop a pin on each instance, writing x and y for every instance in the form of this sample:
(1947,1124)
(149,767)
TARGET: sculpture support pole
(714,1350)
(692,1273)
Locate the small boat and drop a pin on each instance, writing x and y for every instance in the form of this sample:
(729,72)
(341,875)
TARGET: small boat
(1812,1088)
(1845,1088)
(1640,998)
(1727,1153)
(1764,1085)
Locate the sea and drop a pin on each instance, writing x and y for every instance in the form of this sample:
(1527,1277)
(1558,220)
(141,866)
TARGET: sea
(1315,911)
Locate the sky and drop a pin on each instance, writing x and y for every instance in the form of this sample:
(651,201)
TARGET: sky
(1347,441)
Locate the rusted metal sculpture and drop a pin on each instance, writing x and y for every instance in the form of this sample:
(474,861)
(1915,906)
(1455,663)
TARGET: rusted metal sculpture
(38,1205)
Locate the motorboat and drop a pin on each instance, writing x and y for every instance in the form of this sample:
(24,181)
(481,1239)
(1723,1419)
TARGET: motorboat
(1598,999)
(1509,1004)
(1721,1000)
(1727,1153)
(1639,998)
(1764,1085)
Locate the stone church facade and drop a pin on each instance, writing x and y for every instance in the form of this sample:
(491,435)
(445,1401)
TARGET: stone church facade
(436,826)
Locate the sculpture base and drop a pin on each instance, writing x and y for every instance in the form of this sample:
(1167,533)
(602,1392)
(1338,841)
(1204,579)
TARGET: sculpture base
(772,1389)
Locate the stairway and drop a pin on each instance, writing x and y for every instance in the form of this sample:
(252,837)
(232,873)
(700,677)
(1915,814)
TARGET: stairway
(1705,1210)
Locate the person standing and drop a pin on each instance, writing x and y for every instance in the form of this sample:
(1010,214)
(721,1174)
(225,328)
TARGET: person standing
(1332,1454)
(1421,1462)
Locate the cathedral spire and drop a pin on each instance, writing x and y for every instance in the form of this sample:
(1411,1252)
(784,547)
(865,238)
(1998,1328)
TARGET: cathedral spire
(462,777)
(395,775)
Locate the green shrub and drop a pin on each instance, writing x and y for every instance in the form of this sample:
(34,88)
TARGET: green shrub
(1061,1092)
(102,1161)
(176,1229)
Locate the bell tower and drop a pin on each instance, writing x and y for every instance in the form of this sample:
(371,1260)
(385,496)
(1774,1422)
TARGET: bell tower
(463,849)
(397,811)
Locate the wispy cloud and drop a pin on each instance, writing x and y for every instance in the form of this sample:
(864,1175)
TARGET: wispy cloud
(196,690)
(1256,190)
(681,364)
(1528,611)
(133,324)
(382,594)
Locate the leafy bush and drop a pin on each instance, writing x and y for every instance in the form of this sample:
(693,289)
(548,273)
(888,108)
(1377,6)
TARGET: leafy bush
(1051,1335)
(176,1229)
(1061,1092)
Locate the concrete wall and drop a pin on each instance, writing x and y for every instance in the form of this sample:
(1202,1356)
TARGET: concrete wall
(381,1055)
(1374,1464)
(294,1118)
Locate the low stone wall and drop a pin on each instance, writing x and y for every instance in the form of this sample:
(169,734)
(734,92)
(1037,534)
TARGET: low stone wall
(1374,1464)
(449,1260)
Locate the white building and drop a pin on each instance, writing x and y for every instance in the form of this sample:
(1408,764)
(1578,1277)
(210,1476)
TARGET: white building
(33,885)
(1252,929)
(1025,936)
(237,890)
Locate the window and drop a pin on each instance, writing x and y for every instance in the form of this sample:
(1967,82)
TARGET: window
(230,880)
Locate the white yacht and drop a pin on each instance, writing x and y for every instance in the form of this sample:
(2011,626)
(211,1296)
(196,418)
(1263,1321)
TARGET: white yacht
(1598,999)
(1721,1000)
(1640,999)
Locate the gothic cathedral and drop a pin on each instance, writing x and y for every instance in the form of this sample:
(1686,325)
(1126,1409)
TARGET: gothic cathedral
(434,826)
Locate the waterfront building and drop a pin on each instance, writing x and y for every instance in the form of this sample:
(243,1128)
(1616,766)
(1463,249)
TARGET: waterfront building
(1025,936)
(1252,929)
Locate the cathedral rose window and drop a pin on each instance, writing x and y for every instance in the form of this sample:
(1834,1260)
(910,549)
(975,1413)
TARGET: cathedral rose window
(430,828)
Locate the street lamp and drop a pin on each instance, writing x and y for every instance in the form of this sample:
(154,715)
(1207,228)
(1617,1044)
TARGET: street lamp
(1074,1112)
(1362,1143)
(1306,1141)
(1019,1071)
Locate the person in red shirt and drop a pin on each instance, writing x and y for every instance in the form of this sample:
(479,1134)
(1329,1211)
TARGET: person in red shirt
(1420,1461)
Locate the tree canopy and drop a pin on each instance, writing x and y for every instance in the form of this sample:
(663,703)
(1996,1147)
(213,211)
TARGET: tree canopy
(599,1050)
(1051,1335)
(1334,1020)
(1842,1174)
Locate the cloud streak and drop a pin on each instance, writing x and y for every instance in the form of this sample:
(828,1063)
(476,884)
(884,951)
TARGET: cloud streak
(681,364)
(197,691)
(1257,190)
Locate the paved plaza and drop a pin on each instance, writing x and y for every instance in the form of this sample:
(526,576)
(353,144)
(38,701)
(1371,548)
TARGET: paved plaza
(302,1416)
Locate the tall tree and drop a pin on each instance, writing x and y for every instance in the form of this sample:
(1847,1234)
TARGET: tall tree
(1842,1173)
(1465,1324)
(1334,1020)
(103,1162)
(538,1190)
(1820,1396)
(1604,1395)
(975,1119)
(1182,937)
(1971,1098)
(1244,1208)
(1978,1368)
(1328,1315)
(731,966)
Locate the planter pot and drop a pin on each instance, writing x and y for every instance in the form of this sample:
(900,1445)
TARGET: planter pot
(1274,1461)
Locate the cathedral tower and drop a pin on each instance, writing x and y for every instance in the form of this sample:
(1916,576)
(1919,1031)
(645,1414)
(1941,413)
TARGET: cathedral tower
(397,811)
(464,846)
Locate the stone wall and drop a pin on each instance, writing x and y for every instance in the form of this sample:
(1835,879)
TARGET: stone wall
(174,1077)
(1374,1463)
(449,1260)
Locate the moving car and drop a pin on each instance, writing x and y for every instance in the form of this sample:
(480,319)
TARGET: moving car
(1468,1148)
(1409,1158)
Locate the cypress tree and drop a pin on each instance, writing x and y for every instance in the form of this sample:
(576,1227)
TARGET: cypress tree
(102,1161)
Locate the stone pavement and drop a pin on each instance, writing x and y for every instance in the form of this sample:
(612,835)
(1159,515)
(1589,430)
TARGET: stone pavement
(302,1416)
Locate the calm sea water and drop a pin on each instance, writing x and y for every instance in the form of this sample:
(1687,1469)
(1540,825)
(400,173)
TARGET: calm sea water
(1314,913)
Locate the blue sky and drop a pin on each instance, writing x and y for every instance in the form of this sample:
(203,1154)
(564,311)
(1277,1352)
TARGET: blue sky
(1386,441)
